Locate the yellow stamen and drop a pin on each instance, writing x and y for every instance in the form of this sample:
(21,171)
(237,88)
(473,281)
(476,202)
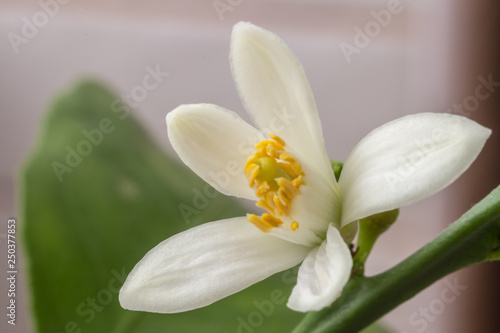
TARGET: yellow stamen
(264,223)
(269,197)
(298,181)
(258,222)
(277,139)
(297,168)
(262,146)
(287,158)
(272,220)
(285,195)
(288,169)
(262,189)
(276,177)
(263,204)
(252,172)
(280,209)
(290,187)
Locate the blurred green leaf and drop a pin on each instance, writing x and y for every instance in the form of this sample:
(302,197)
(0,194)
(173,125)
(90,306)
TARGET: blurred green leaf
(376,328)
(97,194)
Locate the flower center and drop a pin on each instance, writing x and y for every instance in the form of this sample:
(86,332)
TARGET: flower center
(276,177)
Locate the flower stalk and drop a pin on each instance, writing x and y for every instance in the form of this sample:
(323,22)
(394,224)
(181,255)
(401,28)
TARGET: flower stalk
(370,228)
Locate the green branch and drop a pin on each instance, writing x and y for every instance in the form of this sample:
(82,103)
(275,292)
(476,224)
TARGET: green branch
(472,239)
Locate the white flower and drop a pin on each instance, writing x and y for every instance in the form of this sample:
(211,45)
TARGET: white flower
(282,164)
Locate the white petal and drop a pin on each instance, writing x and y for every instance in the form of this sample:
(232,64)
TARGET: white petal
(215,143)
(317,205)
(207,263)
(301,236)
(275,91)
(315,211)
(406,160)
(322,275)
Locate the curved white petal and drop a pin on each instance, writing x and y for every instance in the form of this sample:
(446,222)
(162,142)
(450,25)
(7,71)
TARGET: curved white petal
(406,160)
(322,275)
(303,235)
(315,211)
(207,263)
(317,205)
(274,89)
(215,143)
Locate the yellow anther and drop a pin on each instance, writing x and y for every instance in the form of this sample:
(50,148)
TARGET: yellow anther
(269,197)
(252,172)
(277,139)
(263,204)
(262,189)
(287,168)
(264,223)
(285,195)
(286,202)
(260,154)
(280,207)
(289,186)
(297,168)
(297,182)
(278,146)
(294,225)
(250,161)
(272,220)
(258,222)
(262,146)
(287,157)
(271,151)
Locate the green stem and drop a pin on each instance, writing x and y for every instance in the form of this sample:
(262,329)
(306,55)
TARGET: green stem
(370,228)
(470,240)
(367,242)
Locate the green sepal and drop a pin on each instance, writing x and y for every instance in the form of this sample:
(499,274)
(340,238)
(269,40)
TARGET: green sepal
(337,168)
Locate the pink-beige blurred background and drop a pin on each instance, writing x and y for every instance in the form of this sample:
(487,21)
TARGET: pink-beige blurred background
(426,56)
